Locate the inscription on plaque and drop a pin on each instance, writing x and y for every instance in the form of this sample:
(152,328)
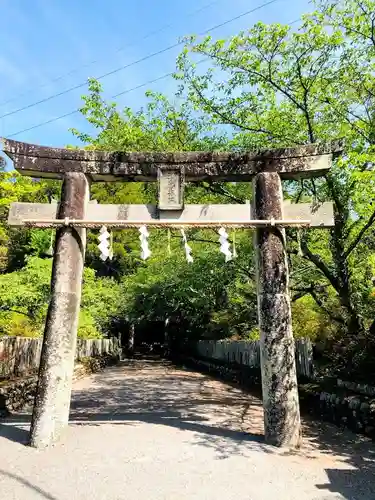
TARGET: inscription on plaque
(170,189)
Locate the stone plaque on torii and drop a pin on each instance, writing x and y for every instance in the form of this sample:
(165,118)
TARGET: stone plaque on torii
(269,214)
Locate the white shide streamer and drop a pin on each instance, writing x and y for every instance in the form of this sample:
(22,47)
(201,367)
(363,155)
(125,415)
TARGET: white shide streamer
(145,251)
(224,244)
(104,246)
(110,256)
(189,258)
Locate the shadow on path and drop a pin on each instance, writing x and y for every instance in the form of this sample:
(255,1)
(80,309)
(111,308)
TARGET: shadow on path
(26,483)
(221,416)
(160,394)
(13,432)
(356,479)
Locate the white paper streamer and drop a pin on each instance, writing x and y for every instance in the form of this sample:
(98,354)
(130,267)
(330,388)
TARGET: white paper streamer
(104,244)
(145,251)
(224,244)
(189,258)
(50,250)
(110,253)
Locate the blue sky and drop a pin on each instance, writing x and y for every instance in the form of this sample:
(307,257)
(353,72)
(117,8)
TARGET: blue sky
(43,40)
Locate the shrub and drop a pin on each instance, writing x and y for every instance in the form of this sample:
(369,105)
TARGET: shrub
(309,321)
(18,325)
(86,327)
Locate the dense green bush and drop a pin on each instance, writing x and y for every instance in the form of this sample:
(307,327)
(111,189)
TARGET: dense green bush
(24,296)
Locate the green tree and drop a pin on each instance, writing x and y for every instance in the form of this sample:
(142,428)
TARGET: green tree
(17,244)
(25,293)
(207,298)
(277,87)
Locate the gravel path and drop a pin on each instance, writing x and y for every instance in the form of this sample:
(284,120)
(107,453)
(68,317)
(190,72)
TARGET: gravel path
(145,430)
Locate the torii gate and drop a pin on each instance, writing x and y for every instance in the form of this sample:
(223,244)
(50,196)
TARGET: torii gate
(77,168)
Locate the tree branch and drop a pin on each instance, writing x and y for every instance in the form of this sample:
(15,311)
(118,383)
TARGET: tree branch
(304,108)
(9,309)
(319,302)
(318,262)
(301,191)
(218,189)
(358,130)
(312,290)
(226,119)
(357,240)
(267,79)
(299,295)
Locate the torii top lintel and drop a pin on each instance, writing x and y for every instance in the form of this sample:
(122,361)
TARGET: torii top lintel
(290,163)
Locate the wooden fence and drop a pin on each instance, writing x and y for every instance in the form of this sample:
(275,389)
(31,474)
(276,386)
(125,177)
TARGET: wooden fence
(21,355)
(248,353)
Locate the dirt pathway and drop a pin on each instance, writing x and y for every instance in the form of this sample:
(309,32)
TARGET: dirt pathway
(145,430)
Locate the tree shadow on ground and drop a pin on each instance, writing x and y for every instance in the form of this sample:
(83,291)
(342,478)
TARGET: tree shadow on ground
(13,432)
(221,416)
(162,395)
(24,482)
(356,479)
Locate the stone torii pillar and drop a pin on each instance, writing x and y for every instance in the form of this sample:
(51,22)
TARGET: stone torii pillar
(79,167)
(52,402)
(279,378)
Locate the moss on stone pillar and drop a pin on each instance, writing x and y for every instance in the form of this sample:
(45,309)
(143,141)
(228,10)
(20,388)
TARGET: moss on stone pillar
(279,378)
(52,401)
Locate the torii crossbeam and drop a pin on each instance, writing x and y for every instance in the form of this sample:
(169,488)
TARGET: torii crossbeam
(268,213)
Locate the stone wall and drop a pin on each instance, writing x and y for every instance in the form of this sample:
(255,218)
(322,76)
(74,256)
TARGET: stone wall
(340,406)
(325,399)
(16,393)
(365,389)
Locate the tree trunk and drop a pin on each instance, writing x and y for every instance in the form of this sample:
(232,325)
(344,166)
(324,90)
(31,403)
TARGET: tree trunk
(338,237)
(131,339)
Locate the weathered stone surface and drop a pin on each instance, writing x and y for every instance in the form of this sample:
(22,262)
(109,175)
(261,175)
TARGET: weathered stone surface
(331,407)
(321,217)
(51,409)
(39,161)
(34,150)
(17,393)
(366,389)
(279,379)
(171,188)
